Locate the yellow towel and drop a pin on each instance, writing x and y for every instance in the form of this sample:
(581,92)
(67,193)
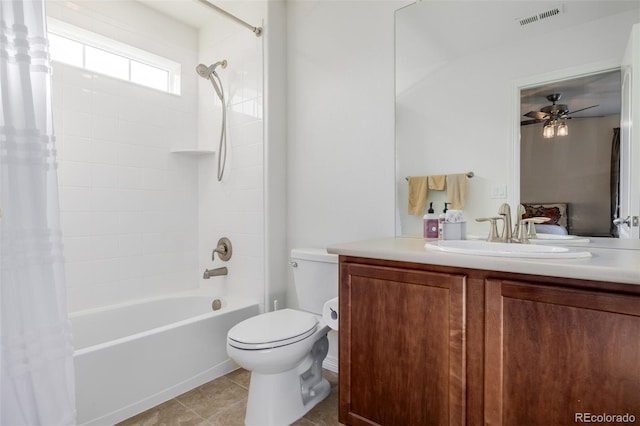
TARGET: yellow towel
(417,194)
(437,182)
(456,191)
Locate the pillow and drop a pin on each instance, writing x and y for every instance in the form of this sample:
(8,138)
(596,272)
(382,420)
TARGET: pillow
(552,213)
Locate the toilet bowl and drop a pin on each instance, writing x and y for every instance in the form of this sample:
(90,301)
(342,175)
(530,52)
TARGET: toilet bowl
(284,349)
(286,368)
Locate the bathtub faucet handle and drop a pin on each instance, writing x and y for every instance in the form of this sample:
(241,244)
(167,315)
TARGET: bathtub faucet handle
(224,249)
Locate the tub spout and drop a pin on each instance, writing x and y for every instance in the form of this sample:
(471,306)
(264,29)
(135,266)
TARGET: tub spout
(208,273)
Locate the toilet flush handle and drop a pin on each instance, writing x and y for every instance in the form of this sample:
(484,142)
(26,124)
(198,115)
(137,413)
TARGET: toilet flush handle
(334,314)
(293,263)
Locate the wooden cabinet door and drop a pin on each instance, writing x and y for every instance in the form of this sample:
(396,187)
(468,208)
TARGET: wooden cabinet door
(555,356)
(401,346)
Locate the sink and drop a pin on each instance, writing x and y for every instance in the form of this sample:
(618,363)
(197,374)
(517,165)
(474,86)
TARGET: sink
(484,248)
(543,239)
(558,239)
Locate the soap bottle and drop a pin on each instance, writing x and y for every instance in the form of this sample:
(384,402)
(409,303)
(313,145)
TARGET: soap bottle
(441,218)
(430,224)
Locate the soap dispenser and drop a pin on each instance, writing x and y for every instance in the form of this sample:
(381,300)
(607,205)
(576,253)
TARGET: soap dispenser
(430,224)
(441,218)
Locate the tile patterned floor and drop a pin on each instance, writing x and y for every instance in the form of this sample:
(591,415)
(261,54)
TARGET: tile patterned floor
(222,402)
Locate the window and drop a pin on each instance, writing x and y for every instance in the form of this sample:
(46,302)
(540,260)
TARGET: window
(81,48)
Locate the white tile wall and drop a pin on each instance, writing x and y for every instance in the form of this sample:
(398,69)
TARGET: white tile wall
(129,206)
(234,207)
(130,227)
(138,220)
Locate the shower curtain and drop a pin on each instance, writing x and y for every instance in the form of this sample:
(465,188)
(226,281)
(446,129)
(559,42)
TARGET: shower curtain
(37,382)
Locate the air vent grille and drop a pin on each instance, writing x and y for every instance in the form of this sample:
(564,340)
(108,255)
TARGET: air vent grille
(529,20)
(549,13)
(540,16)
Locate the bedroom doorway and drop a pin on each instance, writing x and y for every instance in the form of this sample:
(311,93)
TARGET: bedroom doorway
(569,149)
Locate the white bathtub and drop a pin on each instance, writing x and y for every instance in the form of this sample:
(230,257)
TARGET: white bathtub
(133,356)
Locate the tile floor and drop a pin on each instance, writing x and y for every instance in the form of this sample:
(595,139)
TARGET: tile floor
(222,402)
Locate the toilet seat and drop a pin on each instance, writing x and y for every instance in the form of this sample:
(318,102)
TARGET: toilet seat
(272,330)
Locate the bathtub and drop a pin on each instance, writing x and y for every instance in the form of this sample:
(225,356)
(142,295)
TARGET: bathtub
(131,357)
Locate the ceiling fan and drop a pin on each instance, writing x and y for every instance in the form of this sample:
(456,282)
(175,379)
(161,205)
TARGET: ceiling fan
(553,112)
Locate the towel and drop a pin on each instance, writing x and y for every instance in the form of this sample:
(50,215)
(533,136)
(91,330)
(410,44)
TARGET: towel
(456,191)
(417,194)
(437,182)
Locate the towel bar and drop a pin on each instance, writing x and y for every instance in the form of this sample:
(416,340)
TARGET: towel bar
(469,175)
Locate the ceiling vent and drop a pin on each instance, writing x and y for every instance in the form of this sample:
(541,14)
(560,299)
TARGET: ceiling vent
(555,11)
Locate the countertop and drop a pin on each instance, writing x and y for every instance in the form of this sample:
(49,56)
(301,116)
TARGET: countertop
(611,260)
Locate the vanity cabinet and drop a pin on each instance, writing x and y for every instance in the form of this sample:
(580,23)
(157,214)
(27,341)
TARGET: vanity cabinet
(434,345)
(402,347)
(553,354)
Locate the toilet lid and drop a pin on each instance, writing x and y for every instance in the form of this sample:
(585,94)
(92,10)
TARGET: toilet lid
(273,329)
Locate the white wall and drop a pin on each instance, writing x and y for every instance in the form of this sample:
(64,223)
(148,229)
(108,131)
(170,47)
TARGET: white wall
(128,206)
(275,158)
(340,125)
(340,121)
(574,169)
(459,117)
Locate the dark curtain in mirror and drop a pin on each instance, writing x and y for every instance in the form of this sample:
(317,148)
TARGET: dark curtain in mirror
(615,180)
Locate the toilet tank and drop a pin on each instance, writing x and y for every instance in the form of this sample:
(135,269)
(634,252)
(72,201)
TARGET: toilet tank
(315,275)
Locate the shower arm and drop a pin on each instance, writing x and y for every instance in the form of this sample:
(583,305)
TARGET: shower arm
(256,30)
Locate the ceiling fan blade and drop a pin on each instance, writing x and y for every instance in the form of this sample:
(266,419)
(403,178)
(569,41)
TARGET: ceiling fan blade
(527,122)
(582,109)
(537,115)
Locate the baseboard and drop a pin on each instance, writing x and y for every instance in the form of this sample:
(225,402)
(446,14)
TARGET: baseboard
(331,364)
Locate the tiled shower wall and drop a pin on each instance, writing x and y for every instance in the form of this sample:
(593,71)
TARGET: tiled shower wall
(129,207)
(137,219)
(234,207)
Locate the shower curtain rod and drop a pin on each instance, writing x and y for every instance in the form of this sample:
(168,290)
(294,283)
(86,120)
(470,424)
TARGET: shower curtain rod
(256,30)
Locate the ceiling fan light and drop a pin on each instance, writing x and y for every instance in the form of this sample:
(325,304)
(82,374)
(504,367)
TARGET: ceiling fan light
(563,129)
(548,131)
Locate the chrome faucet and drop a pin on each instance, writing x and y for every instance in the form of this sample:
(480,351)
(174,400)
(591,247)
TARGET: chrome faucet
(517,234)
(493,228)
(505,212)
(520,211)
(527,228)
(208,273)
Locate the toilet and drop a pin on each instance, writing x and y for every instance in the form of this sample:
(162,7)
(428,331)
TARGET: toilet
(284,349)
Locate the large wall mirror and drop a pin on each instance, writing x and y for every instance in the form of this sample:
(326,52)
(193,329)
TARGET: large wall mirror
(467,72)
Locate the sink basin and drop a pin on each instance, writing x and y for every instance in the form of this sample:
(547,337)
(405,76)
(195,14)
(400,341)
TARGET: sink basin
(543,239)
(558,239)
(484,248)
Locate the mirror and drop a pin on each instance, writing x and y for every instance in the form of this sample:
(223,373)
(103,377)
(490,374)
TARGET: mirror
(458,87)
(586,159)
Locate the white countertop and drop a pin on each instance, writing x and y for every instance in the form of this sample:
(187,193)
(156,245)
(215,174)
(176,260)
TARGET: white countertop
(611,260)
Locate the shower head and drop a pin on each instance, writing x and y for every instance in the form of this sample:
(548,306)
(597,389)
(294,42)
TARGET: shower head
(203,71)
(206,71)
(209,72)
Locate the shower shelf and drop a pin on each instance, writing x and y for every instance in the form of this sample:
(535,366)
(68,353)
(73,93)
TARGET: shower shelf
(194,152)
